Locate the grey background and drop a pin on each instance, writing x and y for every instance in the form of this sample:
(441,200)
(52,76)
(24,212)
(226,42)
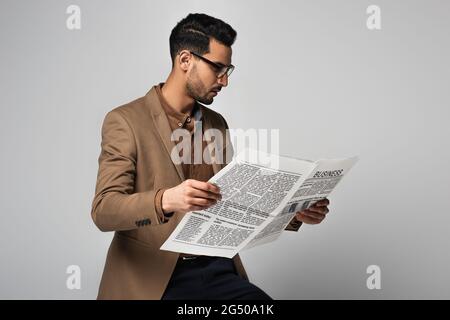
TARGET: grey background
(310,68)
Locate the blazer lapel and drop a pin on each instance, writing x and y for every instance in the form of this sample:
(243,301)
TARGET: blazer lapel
(162,125)
(161,122)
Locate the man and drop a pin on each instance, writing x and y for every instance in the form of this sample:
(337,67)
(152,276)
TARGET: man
(142,194)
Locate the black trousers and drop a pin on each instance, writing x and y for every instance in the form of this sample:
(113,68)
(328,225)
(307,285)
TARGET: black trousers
(210,278)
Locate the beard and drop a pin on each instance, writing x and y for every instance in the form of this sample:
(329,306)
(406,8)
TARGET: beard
(196,89)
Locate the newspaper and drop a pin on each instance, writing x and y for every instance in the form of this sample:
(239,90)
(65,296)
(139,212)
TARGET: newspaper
(261,193)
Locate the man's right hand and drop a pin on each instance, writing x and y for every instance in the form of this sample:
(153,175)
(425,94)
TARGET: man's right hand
(190,195)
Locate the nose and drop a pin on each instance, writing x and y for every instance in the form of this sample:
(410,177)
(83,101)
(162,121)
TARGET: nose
(223,80)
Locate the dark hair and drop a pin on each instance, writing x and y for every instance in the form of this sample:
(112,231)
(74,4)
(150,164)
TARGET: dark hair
(194,33)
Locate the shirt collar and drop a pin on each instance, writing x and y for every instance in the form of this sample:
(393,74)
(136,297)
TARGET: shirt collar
(181,117)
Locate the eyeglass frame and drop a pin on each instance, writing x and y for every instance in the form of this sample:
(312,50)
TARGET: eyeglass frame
(216,65)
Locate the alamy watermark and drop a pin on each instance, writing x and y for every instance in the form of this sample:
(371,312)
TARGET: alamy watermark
(221,146)
(374,280)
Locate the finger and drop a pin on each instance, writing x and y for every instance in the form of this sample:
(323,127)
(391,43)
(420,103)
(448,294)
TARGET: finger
(202,202)
(321,203)
(322,210)
(197,193)
(205,186)
(311,214)
(197,208)
(308,220)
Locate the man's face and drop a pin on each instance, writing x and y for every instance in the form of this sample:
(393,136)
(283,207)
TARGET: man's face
(202,83)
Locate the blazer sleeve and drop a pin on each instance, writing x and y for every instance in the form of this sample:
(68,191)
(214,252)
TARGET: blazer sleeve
(116,206)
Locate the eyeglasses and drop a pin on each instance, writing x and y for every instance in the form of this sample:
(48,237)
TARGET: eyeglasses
(219,69)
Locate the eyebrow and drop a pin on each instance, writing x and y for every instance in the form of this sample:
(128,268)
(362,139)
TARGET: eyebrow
(217,62)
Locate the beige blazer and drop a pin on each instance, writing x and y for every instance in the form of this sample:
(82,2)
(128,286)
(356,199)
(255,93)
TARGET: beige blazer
(133,164)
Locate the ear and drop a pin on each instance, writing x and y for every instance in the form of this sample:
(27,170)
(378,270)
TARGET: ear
(184,60)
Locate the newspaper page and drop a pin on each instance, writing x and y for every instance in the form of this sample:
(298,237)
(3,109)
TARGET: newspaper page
(318,185)
(260,194)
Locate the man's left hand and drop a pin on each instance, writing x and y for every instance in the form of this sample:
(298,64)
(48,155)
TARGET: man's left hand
(315,213)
